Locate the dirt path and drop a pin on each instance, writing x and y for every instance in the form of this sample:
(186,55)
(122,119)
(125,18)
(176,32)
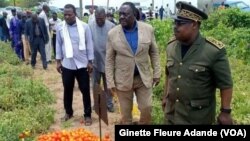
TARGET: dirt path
(52,79)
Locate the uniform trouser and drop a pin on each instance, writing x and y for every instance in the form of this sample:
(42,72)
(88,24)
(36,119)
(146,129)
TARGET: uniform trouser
(144,101)
(97,80)
(26,49)
(48,49)
(82,77)
(38,44)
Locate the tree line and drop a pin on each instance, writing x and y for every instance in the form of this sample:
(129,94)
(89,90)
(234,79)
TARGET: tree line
(22,3)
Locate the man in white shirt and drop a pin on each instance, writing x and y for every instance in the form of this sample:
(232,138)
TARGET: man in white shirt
(44,16)
(53,22)
(91,16)
(74,55)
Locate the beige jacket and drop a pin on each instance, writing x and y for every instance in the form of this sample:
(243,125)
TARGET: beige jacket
(120,60)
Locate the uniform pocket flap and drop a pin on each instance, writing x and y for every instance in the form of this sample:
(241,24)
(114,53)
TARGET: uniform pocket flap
(196,68)
(199,103)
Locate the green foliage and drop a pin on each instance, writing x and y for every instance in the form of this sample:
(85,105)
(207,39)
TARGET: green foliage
(237,40)
(19,93)
(3,3)
(7,55)
(230,17)
(24,102)
(163,32)
(34,119)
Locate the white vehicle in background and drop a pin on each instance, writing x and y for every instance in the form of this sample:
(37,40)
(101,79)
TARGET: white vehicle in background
(86,9)
(146,10)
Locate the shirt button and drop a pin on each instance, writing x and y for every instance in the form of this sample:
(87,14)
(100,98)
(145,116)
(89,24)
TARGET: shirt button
(196,70)
(179,76)
(177,89)
(177,100)
(180,63)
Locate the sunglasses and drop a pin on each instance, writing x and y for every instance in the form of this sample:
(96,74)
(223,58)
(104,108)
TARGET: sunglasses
(180,23)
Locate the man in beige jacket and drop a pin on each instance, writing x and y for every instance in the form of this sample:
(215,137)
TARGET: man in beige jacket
(131,49)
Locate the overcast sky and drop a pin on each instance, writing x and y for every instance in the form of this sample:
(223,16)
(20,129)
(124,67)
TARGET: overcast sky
(114,3)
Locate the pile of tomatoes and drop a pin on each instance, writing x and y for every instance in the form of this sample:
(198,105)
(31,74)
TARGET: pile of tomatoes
(72,135)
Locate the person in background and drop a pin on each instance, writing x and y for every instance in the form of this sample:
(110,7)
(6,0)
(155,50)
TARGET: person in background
(161,11)
(156,12)
(12,24)
(195,67)
(44,16)
(5,30)
(131,51)
(54,21)
(99,29)
(110,17)
(37,34)
(15,34)
(222,6)
(25,39)
(167,11)
(91,16)
(74,57)
(143,15)
(137,14)
(25,43)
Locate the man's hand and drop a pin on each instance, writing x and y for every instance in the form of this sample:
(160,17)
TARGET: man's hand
(156,81)
(113,91)
(225,119)
(90,68)
(59,66)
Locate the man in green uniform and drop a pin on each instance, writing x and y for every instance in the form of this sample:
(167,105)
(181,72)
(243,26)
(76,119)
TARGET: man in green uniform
(195,67)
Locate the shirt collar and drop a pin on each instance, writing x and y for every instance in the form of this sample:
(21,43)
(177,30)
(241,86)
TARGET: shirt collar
(134,28)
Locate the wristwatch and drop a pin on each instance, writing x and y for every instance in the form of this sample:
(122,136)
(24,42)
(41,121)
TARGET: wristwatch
(226,110)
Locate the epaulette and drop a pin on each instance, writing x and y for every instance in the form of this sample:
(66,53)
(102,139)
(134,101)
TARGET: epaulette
(215,42)
(171,39)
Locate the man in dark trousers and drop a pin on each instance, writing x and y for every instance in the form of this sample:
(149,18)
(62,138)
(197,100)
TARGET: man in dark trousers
(5,30)
(38,36)
(195,67)
(74,56)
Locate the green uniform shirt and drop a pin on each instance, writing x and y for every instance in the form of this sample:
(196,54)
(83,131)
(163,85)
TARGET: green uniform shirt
(192,81)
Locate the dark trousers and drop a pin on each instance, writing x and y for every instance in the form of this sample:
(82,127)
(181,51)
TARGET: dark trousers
(97,76)
(82,77)
(38,45)
(54,44)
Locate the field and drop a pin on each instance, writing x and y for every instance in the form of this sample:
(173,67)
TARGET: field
(31,100)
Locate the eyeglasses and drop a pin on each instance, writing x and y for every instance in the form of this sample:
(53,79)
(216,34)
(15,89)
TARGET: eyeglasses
(180,23)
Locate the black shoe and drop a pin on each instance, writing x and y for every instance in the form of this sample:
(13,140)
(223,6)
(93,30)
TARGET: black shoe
(87,121)
(66,117)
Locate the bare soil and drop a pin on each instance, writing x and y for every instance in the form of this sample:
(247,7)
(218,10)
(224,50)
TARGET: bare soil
(52,79)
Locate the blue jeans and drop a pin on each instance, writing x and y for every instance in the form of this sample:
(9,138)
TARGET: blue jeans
(97,80)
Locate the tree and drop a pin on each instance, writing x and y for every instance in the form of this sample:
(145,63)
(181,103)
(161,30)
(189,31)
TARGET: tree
(26,3)
(3,3)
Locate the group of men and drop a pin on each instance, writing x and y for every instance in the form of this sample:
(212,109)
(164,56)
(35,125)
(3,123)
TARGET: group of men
(126,58)
(29,33)
(124,55)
